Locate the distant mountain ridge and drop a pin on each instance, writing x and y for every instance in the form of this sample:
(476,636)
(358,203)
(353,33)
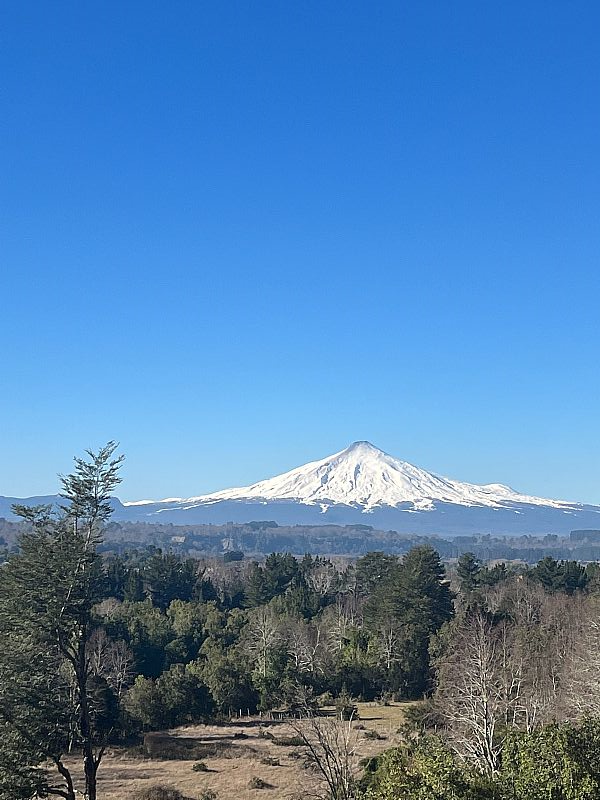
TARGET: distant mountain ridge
(363,484)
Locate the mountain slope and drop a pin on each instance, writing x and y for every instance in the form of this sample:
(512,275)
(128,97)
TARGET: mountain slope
(364,485)
(364,476)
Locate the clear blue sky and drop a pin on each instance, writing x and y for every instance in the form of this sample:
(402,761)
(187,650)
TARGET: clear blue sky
(237,236)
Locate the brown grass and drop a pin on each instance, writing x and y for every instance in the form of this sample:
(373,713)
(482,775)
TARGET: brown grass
(232,762)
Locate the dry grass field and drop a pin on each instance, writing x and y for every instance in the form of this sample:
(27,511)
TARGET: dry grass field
(234,754)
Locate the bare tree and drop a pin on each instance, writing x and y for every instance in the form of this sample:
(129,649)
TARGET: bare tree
(341,618)
(471,696)
(538,634)
(306,645)
(111,660)
(582,674)
(332,747)
(509,667)
(263,636)
(388,644)
(322,577)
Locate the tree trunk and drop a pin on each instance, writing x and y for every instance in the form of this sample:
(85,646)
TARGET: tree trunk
(90,768)
(69,793)
(90,763)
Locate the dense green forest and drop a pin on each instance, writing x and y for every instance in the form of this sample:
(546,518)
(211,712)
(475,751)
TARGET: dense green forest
(99,647)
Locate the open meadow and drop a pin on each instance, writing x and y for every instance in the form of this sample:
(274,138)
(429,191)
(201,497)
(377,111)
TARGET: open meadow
(235,754)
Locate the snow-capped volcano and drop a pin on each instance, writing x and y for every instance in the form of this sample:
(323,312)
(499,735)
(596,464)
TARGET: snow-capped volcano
(363,485)
(366,477)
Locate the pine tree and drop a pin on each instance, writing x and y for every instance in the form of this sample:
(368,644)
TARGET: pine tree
(468,571)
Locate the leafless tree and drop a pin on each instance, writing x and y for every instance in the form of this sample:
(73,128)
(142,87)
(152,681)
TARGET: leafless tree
(471,696)
(225,578)
(332,747)
(388,643)
(322,577)
(340,618)
(508,667)
(306,645)
(111,660)
(264,634)
(538,635)
(108,609)
(582,675)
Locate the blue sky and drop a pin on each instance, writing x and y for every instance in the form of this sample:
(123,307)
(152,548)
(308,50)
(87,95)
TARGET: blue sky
(238,236)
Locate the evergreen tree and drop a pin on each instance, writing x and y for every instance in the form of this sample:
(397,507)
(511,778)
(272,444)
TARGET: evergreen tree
(468,570)
(47,593)
(408,607)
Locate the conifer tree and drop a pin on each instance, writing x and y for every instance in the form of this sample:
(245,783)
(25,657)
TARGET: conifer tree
(50,703)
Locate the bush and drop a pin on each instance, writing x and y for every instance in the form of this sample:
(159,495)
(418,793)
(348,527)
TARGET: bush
(270,761)
(345,708)
(375,735)
(158,792)
(200,766)
(258,783)
(289,741)
(325,699)
(208,794)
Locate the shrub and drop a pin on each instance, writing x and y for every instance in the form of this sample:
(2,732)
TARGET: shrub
(270,761)
(258,783)
(345,708)
(208,794)
(200,766)
(372,735)
(158,792)
(289,741)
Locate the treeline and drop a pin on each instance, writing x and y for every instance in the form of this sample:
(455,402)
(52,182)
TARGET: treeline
(515,707)
(281,633)
(263,537)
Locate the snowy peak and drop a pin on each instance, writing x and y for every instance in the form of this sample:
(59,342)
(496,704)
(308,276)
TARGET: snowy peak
(364,477)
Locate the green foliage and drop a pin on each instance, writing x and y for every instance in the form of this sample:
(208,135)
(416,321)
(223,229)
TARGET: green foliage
(491,576)
(226,675)
(167,578)
(404,611)
(468,571)
(374,569)
(566,576)
(147,631)
(558,762)
(176,697)
(49,695)
(271,580)
(428,771)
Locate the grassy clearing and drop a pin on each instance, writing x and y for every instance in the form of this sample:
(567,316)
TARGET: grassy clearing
(234,755)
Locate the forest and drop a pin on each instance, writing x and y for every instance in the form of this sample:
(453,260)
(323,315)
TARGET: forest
(498,664)
(262,537)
